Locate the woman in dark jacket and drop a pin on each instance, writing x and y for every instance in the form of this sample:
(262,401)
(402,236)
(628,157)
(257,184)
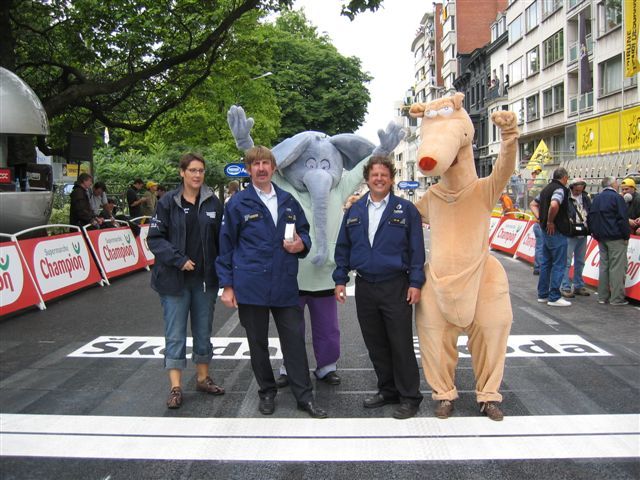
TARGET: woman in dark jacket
(183,236)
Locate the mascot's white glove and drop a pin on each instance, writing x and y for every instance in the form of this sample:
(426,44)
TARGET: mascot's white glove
(389,139)
(240,127)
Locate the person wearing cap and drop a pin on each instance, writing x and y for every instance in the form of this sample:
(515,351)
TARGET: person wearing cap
(578,208)
(631,197)
(150,199)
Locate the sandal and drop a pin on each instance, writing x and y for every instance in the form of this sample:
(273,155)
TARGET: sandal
(175,398)
(208,386)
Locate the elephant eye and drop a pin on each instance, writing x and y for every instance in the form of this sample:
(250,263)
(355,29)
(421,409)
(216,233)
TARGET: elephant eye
(324,164)
(311,163)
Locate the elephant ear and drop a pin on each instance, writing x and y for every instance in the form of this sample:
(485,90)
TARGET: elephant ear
(290,149)
(352,147)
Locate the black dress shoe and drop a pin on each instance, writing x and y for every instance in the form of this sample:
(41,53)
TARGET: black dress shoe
(406,410)
(378,400)
(332,378)
(282,381)
(267,405)
(312,409)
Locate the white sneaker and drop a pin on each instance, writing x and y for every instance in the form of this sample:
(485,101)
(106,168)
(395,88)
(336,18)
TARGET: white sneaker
(543,300)
(561,302)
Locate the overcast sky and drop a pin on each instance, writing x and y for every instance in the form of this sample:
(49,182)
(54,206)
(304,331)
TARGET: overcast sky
(382,40)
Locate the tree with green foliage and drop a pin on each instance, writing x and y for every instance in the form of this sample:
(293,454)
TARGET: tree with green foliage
(122,64)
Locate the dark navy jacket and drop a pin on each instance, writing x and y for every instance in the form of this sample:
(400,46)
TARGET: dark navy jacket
(167,240)
(252,259)
(608,218)
(398,246)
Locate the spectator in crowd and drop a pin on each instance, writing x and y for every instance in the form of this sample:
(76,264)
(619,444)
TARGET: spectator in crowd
(389,265)
(233,187)
(533,187)
(551,207)
(579,204)
(609,224)
(108,213)
(632,199)
(150,197)
(507,203)
(183,236)
(263,235)
(98,197)
(80,212)
(133,200)
(161,191)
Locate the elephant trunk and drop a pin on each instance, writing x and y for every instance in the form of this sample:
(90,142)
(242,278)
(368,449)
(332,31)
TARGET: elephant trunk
(319,183)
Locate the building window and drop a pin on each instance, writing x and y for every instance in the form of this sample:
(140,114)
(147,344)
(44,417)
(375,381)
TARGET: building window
(549,7)
(515,72)
(611,75)
(518,108)
(531,16)
(533,112)
(553,99)
(609,15)
(533,61)
(553,48)
(515,30)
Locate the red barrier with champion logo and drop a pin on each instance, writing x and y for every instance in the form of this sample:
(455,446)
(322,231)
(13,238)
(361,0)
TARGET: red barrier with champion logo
(508,235)
(60,264)
(117,251)
(17,290)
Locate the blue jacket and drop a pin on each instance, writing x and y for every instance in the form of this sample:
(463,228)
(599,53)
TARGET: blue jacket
(252,259)
(398,246)
(608,218)
(168,235)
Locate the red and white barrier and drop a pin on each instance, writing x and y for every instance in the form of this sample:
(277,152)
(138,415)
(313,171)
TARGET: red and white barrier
(527,246)
(17,287)
(144,247)
(60,264)
(116,249)
(508,235)
(493,225)
(591,272)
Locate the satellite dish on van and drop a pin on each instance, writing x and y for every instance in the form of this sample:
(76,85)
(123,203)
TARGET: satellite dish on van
(22,111)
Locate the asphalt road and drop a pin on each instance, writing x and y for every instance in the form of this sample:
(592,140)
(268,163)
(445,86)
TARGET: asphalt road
(82,395)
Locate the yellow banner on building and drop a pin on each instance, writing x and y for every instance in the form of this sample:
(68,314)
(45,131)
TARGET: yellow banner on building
(541,156)
(610,133)
(587,137)
(631,32)
(630,134)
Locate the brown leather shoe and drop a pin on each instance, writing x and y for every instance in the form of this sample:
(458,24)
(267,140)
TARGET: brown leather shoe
(208,386)
(583,292)
(175,398)
(492,410)
(443,409)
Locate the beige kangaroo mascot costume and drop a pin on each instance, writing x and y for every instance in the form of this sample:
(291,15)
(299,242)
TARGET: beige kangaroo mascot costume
(466,289)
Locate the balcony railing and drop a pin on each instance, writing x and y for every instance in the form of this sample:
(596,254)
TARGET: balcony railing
(574,49)
(494,93)
(586,103)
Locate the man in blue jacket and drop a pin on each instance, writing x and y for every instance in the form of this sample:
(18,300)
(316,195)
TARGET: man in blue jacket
(264,233)
(609,225)
(381,239)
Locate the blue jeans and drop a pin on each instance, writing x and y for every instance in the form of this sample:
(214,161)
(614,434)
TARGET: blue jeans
(576,250)
(552,263)
(176,308)
(537,232)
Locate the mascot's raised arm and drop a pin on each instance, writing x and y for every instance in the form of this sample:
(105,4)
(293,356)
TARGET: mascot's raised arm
(321,172)
(466,289)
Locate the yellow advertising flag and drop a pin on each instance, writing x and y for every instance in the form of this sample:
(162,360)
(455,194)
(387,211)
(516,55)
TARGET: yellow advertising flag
(540,157)
(631,32)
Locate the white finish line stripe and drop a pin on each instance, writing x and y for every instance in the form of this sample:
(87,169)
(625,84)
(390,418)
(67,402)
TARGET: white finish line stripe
(257,439)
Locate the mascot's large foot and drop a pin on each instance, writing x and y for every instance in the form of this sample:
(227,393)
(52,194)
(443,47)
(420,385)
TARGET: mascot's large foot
(492,410)
(443,409)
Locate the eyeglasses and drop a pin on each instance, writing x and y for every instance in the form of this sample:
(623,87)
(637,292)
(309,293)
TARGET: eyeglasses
(196,171)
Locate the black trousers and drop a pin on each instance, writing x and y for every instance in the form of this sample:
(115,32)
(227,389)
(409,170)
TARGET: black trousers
(385,319)
(255,320)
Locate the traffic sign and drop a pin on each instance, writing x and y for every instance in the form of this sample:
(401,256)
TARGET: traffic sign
(408,185)
(235,170)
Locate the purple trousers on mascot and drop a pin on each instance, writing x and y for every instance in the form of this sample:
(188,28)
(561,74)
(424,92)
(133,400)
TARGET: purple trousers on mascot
(325,332)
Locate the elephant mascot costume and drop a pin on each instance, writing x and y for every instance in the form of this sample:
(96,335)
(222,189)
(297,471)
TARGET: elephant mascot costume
(311,166)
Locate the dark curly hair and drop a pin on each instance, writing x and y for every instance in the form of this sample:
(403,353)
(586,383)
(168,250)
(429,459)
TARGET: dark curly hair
(379,160)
